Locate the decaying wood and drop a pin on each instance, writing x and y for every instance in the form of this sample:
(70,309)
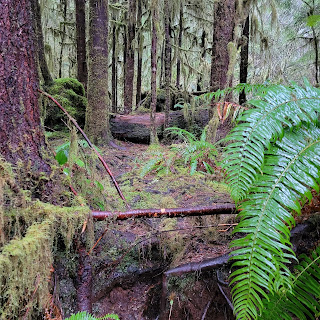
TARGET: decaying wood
(89,143)
(199,266)
(225,208)
(84,287)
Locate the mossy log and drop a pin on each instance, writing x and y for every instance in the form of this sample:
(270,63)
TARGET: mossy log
(136,128)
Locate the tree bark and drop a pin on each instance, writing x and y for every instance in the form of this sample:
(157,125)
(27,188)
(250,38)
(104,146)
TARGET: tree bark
(223,26)
(129,74)
(140,53)
(22,141)
(97,115)
(244,55)
(179,44)
(316,50)
(114,70)
(63,34)
(82,68)
(203,55)
(40,43)
(154,43)
(167,61)
(225,208)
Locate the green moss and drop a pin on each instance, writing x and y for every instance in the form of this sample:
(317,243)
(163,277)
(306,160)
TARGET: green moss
(33,236)
(70,94)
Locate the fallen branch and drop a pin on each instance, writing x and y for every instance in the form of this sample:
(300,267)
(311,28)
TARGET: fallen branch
(198,266)
(227,208)
(89,143)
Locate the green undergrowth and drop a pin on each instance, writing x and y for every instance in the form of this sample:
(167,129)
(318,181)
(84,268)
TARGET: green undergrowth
(32,233)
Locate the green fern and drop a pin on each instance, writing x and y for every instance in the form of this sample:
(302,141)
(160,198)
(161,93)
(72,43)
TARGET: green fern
(86,316)
(274,183)
(303,300)
(291,169)
(280,107)
(195,151)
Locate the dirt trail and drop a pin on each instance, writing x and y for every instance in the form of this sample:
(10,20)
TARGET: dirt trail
(133,291)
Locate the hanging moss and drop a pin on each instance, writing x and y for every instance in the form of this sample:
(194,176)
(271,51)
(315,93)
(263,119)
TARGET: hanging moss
(32,233)
(70,94)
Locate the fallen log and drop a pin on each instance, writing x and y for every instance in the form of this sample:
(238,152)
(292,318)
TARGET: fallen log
(225,208)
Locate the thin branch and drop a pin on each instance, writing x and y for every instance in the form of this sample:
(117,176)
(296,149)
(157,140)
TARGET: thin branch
(225,208)
(89,143)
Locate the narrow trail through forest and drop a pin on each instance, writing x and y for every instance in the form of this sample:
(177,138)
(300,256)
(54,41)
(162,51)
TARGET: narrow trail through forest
(138,290)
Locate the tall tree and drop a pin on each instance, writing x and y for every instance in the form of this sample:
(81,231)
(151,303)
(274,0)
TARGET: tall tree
(82,70)
(244,55)
(97,115)
(129,73)
(40,43)
(63,3)
(223,25)
(140,52)
(114,66)
(179,44)
(154,44)
(167,60)
(22,141)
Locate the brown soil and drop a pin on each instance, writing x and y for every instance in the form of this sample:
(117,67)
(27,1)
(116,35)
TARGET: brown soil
(134,292)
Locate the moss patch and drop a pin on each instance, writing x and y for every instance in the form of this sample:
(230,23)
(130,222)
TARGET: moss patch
(70,94)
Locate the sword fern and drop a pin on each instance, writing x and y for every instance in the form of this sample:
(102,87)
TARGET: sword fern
(272,162)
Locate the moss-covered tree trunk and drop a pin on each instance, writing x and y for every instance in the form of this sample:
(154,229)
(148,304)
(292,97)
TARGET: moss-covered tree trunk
(63,3)
(22,141)
(223,26)
(82,70)
(244,55)
(114,67)
(97,115)
(40,43)
(167,60)
(129,73)
(154,44)
(179,44)
(140,53)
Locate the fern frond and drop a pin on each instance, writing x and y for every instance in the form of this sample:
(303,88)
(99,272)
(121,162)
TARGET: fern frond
(280,107)
(303,301)
(290,170)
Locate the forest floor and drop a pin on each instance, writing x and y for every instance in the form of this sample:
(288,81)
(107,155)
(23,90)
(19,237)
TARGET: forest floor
(131,256)
(177,241)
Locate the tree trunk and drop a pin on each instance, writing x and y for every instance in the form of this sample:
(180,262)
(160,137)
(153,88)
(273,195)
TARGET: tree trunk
(179,44)
(128,93)
(63,34)
(203,56)
(244,59)
(81,42)
(125,49)
(167,60)
(40,43)
(140,53)
(223,26)
(97,116)
(114,70)
(316,50)
(22,141)
(154,43)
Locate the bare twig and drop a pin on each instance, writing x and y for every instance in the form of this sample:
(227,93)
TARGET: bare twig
(89,143)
